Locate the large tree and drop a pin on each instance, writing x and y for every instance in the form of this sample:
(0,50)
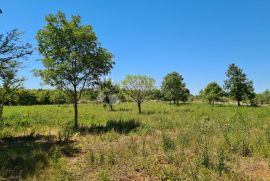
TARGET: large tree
(174,88)
(73,57)
(138,88)
(237,85)
(212,93)
(12,51)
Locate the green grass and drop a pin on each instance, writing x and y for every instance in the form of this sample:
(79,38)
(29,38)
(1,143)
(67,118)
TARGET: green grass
(186,142)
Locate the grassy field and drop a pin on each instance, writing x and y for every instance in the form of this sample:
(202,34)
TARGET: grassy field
(186,142)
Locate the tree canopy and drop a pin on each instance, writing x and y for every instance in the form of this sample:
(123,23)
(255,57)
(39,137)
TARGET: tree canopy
(213,93)
(174,88)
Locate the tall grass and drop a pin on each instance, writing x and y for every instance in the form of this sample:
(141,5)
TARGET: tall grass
(165,142)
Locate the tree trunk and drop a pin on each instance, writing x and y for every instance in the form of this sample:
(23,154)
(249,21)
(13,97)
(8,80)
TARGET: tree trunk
(238,103)
(1,111)
(75,103)
(76,114)
(139,107)
(111,106)
(174,101)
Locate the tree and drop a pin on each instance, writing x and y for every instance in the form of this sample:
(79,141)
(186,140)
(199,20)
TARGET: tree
(157,94)
(251,95)
(73,57)
(237,84)
(12,51)
(138,88)
(109,91)
(263,98)
(58,97)
(26,97)
(212,93)
(174,88)
(42,96)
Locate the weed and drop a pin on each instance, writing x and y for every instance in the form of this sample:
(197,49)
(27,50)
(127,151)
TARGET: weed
(220,162)
(168,143)
(205,158)
(103,176)
(111,158)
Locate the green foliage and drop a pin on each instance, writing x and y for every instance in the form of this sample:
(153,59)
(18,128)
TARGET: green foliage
(43,97)
(174,89)
(212,93)
(26,97)
(263,98)
(238,86)
(38,97)
(58,97)
(72,56)
(156,94)
(138,88)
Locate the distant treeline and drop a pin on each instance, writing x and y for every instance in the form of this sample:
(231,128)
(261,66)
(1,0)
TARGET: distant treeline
(263,98)
(50,96)
(35,97)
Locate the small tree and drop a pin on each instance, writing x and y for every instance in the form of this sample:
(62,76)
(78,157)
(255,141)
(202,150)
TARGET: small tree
(73,58)
(174,88)
(138,88)
(11,52)
(109,91)
(212,93)
(237,85)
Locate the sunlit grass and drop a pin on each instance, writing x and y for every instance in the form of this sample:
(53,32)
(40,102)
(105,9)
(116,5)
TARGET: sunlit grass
(165,142)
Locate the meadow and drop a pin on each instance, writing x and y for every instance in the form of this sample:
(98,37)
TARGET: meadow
(191,141)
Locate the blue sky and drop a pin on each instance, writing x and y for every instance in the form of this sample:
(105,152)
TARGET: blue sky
(196,38)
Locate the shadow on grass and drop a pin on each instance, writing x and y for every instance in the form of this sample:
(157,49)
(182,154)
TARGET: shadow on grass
(119,126)
(23,157)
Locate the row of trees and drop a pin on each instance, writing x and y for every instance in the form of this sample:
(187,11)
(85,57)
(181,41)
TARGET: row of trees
(237,87)
(140,88)
(37,97)
(74,61)
(263,98)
